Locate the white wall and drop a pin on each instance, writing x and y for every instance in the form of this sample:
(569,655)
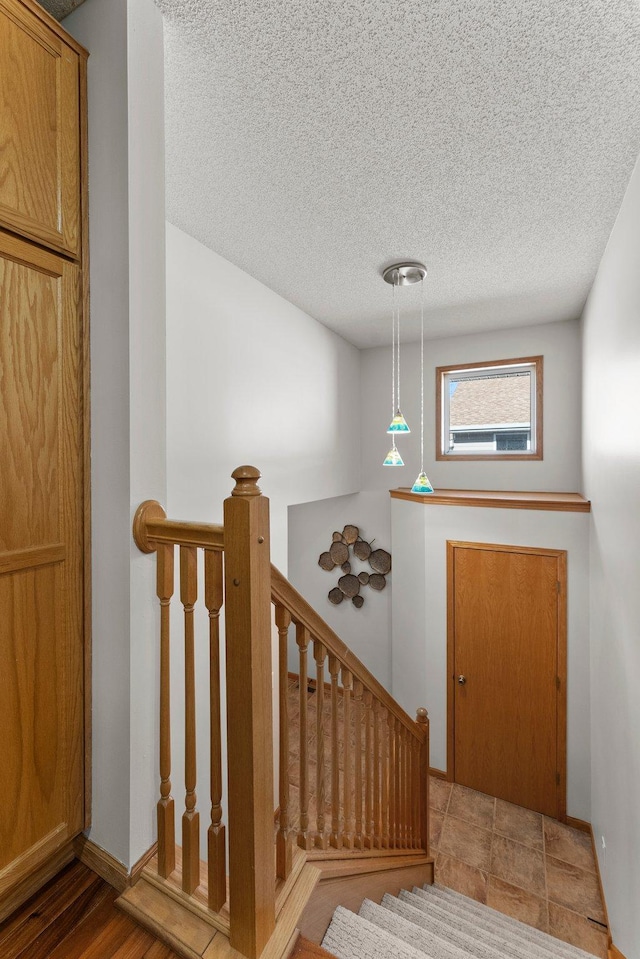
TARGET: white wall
(365,630)
(611,440)
(126,197)
(252,379)
(560,470)
(419,611)
(559,343)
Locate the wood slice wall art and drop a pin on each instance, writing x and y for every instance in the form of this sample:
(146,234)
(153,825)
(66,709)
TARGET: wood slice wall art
(344,547)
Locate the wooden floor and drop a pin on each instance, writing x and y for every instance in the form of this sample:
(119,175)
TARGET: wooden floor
(74,917)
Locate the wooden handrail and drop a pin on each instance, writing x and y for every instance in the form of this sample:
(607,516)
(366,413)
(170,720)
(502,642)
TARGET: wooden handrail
(151,528)
(286,595)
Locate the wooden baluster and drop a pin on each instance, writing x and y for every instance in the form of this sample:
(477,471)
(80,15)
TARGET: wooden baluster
(249,715)
(406,818)
(319,654)
(165,808)
(302,639)
(391,759)
(368,770)
(358,717)
(379,800)
(190,817)
(347,760)
(410,797)
(384,777)
(423,724)
(283,844)
(398,787)
(415,792)
(217,867)
(335,837)
(404,821)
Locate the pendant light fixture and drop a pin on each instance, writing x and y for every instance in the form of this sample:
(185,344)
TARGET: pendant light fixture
(422,484)
(399,274)
(393,457)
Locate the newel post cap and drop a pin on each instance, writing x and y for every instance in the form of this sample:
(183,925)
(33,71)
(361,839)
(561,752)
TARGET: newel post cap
(422,716)
(246,478)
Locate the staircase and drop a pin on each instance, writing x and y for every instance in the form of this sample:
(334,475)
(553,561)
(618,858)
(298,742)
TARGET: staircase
(352,786)
(437,923)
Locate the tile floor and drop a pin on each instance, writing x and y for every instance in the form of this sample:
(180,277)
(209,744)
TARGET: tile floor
(518,862)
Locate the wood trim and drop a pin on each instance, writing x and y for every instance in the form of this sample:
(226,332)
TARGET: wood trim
(32,557)
(84,276)
(107,866)
(102,862)
(451,652)
(438,773)
(561,719)
(580,824)
(301,612)
(306,949)
(52,24)
(342,867)
(614,953)
(498,499)
(538,362)
(561,715)
(359,856)
(144,860)
(19,893)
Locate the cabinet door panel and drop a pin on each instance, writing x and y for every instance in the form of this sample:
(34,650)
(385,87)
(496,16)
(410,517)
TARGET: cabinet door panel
(39,124)
(41,536)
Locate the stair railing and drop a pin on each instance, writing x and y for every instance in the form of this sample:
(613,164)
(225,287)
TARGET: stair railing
(368,792)
(360,766)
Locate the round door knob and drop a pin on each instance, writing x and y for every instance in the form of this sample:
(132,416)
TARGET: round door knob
(462,680)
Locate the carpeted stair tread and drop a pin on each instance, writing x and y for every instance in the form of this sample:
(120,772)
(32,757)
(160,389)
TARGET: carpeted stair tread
(447,900)
(455,926)
(479,946)
(437,923)
(352,937)
(427,943)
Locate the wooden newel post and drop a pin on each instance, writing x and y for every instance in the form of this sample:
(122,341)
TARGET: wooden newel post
(422,719)
(249,714)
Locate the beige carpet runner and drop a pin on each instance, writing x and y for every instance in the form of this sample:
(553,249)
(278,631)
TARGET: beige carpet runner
(437,923)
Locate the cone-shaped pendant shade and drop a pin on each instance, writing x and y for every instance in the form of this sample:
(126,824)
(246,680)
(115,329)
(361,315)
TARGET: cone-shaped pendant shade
(422,484)
(398,424)
(393,458)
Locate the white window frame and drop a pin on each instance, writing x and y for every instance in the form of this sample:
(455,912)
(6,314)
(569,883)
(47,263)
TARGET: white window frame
(444,375)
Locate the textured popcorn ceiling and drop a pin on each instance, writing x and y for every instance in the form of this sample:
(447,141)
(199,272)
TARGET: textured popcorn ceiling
(313,142)
(60,8)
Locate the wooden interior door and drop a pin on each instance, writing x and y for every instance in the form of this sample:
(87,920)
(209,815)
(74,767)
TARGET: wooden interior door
(507,665)
(41,558)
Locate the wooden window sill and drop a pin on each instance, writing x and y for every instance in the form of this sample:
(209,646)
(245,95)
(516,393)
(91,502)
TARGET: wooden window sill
(498,499)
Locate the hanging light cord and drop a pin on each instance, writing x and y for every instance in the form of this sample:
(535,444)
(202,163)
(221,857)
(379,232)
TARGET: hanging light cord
(398,347)
(393,354)
(422,375)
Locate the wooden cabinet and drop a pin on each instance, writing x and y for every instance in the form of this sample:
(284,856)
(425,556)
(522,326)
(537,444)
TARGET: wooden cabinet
(39,170)
(43,450)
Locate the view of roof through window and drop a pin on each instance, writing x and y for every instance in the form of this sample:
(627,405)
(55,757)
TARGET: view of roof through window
(490,411)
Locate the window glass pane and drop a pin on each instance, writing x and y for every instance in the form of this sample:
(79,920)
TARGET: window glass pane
(490,411)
